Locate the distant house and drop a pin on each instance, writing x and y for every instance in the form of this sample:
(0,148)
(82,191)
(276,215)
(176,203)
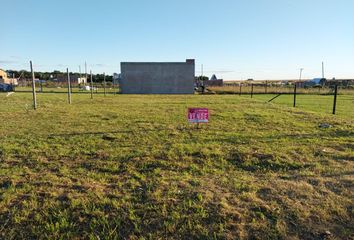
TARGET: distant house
(74,79)
(79,80)
(214,81)
(3,76)
(5,79)
(315,82)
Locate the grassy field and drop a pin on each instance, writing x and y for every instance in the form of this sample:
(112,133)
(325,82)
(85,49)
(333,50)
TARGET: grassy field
(131,167)
(322,104)
(311,99)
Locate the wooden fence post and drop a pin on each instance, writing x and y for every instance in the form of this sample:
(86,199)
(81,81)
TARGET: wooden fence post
(91,88)
(69,85)
(104,83)
(252,90)
(33,89)
(294,94)
(41,84)
(266,86)
(240,89)
(335,98)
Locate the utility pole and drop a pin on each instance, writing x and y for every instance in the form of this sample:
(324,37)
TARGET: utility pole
(80,75)
(202,75)
(323,71)
(33,89)
(301,69)
(86,71)
(69,85)
(202,80)
(91,88)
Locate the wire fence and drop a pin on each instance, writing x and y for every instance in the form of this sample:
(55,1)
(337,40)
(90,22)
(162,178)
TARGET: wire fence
(334,99)
(323,96)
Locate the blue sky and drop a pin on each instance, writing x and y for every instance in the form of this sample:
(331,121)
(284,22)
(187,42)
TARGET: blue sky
(235,39)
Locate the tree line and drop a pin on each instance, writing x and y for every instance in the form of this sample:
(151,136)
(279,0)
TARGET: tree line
(51,76)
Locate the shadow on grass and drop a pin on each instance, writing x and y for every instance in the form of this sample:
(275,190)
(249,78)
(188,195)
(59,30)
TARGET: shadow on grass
(263,162)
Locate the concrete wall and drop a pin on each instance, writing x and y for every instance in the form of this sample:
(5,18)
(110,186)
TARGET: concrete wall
(157,78)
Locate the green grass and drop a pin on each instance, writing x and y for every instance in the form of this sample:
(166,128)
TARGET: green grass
(316,103)
(131,167)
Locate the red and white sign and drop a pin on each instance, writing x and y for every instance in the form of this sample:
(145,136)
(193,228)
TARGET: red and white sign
(198,115)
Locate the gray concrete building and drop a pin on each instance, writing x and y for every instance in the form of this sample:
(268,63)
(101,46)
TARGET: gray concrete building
(157,77)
